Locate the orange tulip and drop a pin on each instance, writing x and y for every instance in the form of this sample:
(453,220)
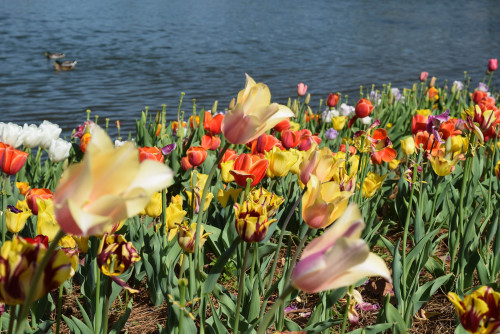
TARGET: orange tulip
(210,142)
(283,125)
(194,121)
(196,155)
(264,144)
(211,124)
(230,154)
(418,123)
(151,153)
(386,154)
(364,108)
(478,95)
(35,193)
(185,163)
(429,143)
(249,166)
(11,159)
(84,141)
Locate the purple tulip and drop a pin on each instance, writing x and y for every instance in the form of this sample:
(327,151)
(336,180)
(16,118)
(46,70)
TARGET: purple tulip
(331,134)
(166,150)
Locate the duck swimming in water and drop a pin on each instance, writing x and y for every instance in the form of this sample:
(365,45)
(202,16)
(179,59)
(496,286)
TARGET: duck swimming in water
(54,55)
(66,65)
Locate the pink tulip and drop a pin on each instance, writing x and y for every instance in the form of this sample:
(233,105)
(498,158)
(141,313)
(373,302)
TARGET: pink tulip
(301,89)
(423,76)
(492,65)
(338,257)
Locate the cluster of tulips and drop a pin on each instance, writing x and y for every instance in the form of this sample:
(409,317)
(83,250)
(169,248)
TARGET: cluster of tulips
(276,200)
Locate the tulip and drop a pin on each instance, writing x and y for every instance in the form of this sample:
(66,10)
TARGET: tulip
(194,121)
(423,76)
(175,215)
(382,147)
(338,258)
(196,155)
(443,166)
(264,144)
(59,150)
(253,114)
(212,125)
(33,194)
(16,216)
(23,187)
(267,199)
(167,149)
(433,93)
(249,166)
(283,125)
(301,89)
(185,164)
(492,65)
(11,134)
(151,153)
(252,221)
(428,142)
(225,171)
(478,312)
(393,164)
(497,169)
(332,100)
(323,203)
(290,138)
(115,227)
(19,259)
(84,141)
(153,208)
(115,256)
(320,163)
(11,159)
(364,108)
(209,142)
(331,134)
(339,122)
(50,131)
(110,184)
(201,180)
(371,184)
(31,135)
(46,220)
(280,162)
(187,236)
(67,242)
(224,195)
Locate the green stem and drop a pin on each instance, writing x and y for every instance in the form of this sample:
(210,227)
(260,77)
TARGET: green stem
(241,290)
(346,310)
(12,317)
(23,314)
(270,314)
(106,304)
(58,311)
(182,303)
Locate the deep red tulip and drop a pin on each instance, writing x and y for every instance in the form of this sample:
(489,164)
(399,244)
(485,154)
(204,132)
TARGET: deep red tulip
(264,144)
(364,108)
(332,100)
(290,138)
(283,125)
(492,65)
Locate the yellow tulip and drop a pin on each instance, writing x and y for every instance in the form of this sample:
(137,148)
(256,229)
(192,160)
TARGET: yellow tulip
(46,222)
(456,144)
(371,184)
(443,166)
(223,195)
(253,114)
(294,126)
(186,236)
(225,168)
(82,243)
(497,169)
(338,122)
(323,203)
(393,164)
(408,146)
(67,242)
(16,217)
(424,112)
(280,162)
(153,209)
(299,156)
(267,199)
(110,184)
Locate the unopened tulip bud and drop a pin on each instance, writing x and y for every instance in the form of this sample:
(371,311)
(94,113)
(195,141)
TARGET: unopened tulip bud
(432,83)
(308,99)
(492,65)
(214,107)
(301,89)
(423,76)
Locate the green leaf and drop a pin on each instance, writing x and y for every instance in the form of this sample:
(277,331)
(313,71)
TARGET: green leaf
(213,276)
(118,326)
(424,293)
(84,315)
(321,326)
(216,319)
(391,315)
(397,270)
(372,329)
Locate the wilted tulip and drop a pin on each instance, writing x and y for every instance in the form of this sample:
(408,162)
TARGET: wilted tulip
(18,262)
(109,185)
(59,150)
(115,256)
(186,236)
(33,194)
(253,114)
(301,89)
(338,257)
(11,159)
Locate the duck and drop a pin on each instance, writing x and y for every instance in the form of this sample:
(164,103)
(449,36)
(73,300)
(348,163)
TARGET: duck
(65,65)
(54,55)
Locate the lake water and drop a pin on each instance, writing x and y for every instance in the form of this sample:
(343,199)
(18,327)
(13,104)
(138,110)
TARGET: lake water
(133,54)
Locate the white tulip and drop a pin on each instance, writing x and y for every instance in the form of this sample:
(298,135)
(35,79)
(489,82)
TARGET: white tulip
(59,149)
(31,135)
(50,131)
(11,134)
(366,120)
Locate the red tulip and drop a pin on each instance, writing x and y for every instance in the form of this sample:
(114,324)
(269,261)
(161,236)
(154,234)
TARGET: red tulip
(35,193)
(301,89)
(249,166)
(492,65)
(185,164)
(209,142)
(332,100)
(478,95)
(150,153)
(264,144)
(418,123)
(386,154)
(196,155)
(423,76)
(352,149)
(283,125)
(364,108)
(11,159)
(290,138)
(211,124)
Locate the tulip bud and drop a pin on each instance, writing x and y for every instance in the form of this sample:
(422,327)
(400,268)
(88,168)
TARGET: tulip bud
(423,76)
(308,99)
(408,146)
(432,83)
(301,89)
(492,65)
(332,100)
(214,107)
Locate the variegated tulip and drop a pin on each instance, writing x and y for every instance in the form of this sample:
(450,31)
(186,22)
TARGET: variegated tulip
(338,258)
(323,203)
(252,221)
(253,114)
(186,236)
(109,185)
(115,256)
(19,259)
(266,198)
